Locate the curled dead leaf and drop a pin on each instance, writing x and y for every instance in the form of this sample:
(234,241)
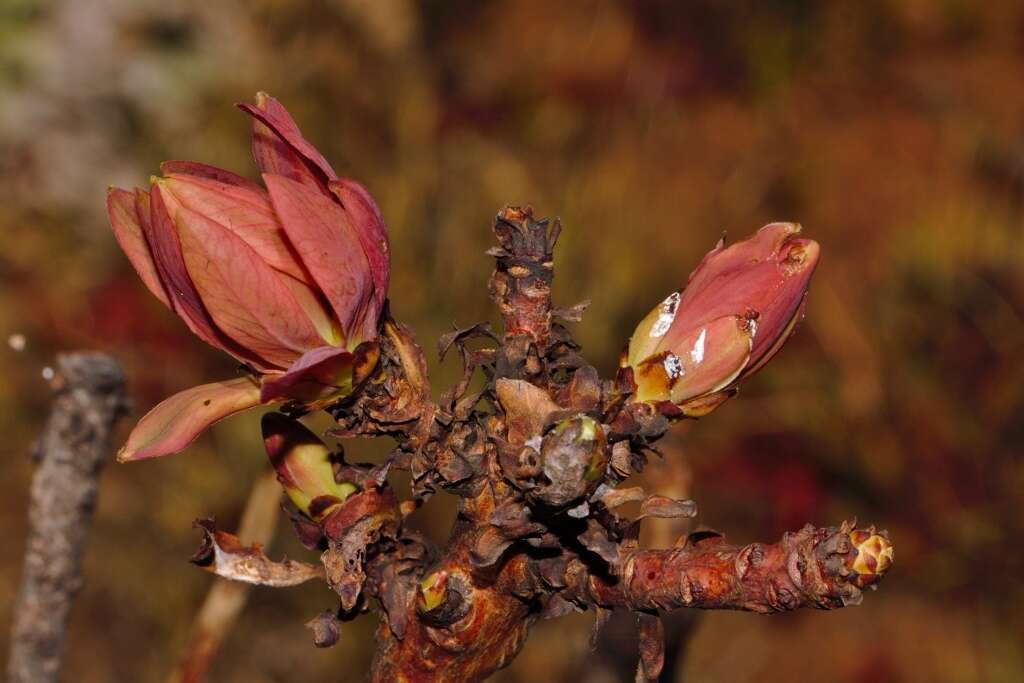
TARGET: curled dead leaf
(223,554)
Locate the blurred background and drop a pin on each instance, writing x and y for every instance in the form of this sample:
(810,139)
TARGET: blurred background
(893,130)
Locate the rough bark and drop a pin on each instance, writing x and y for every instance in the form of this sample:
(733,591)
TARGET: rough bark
(75,443)
(810,568)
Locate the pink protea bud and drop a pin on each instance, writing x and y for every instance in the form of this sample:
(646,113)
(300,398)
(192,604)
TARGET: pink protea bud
(289,277)
(739,307)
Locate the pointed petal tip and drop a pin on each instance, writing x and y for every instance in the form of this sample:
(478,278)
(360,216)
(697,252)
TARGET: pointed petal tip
(261,98)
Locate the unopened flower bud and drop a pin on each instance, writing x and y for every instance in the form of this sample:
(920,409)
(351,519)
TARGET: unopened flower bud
(303,466)
(441,598)
(871,557)
(574,456)
(431,591)
(736,312)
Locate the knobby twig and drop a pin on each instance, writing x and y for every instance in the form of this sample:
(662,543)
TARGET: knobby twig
(226,599)
(88,398)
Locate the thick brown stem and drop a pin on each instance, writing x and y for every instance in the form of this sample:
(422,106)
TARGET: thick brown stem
(521,287)
(89,397)
(476,628)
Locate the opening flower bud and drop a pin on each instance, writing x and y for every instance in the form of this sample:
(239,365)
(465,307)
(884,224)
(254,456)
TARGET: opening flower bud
(289,277)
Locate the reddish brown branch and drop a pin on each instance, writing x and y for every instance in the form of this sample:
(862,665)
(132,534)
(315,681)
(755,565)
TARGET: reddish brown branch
(814,567)
(521,284)
(88,398)
(525,483)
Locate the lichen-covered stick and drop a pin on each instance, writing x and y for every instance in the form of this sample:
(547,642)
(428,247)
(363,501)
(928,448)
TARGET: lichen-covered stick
(291,277)
(89,397)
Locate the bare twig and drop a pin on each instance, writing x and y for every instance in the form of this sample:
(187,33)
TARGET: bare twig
(88,398)
(227,599)
(813,567)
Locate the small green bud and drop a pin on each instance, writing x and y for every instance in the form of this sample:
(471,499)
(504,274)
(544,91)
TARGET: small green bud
(303,466)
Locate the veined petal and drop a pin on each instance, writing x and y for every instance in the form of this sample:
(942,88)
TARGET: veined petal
(244,210)
(373,235)
(246,297)
(317,310)
(328,244)
(124,220)
(175,422)
(162,238)
(280,149)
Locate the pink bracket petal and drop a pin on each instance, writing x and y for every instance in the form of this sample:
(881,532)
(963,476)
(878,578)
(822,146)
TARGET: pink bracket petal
(124,220)
(246,297)
(373,235)
(176,421)
(170,265)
